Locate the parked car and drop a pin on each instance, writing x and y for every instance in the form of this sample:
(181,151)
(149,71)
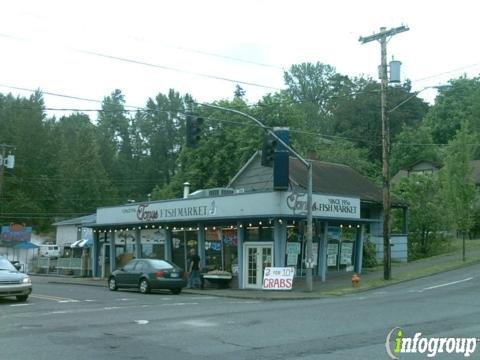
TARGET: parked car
(52,251)
(148,274)
(16,264)
(13,282)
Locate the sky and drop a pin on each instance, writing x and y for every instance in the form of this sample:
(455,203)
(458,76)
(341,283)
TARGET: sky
(206,47)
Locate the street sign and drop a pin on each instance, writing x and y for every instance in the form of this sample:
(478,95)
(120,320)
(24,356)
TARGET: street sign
(278,278)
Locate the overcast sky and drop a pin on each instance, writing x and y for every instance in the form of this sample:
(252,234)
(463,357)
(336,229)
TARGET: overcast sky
(193,43)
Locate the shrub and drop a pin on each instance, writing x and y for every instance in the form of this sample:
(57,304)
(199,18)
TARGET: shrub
(369,254)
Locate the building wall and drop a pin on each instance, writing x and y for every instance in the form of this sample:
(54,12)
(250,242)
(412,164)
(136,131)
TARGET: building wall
(66,234)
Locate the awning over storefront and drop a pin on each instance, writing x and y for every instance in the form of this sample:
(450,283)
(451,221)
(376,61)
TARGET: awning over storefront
(25,245)
(82,243)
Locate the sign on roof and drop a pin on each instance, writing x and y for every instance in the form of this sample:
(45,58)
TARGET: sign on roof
(14,234)
(325,205)
(274,204)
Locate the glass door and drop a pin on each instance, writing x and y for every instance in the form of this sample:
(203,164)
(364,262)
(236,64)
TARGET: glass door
(258,256)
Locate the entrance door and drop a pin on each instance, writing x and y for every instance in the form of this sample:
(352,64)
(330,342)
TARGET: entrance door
(257,257)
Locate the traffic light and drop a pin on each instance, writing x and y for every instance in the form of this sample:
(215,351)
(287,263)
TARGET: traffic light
(193,130)
(268,150)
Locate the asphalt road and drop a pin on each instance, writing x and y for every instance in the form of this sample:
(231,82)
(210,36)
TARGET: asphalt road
(84,322)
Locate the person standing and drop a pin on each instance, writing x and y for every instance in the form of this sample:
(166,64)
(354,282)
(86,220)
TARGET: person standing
(194,280)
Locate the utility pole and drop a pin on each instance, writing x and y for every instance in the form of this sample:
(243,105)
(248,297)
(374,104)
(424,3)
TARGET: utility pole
(4,162)
(382,38)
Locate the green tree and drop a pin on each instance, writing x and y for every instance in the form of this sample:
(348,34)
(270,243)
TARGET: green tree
(227,141)
(357,115)
(456,103)
(161,127)
(315,89)
(413,144)
(81,182)
(26,195)
(115,142)
(457,180)
(426,212)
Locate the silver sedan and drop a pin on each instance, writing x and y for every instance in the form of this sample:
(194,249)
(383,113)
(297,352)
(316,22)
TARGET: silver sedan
(13,282)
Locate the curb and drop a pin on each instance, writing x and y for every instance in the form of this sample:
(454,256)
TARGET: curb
(269,297)
(395,282)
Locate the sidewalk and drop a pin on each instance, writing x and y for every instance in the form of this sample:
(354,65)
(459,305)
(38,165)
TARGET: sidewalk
(337,284)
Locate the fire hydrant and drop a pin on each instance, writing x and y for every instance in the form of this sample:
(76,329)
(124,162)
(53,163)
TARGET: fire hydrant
(355,280)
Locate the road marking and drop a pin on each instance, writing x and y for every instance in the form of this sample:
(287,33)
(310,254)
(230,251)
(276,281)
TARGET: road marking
(122,299)
(181,304)
(52,298)
(203,297)
(447,284)
(21,304)
(199,323)
(142,322)
(245,302)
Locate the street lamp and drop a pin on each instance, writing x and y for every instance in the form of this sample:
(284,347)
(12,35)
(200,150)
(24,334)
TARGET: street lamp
(415,94)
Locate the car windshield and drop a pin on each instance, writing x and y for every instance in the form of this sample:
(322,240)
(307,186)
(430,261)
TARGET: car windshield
(6,265)
(161,264)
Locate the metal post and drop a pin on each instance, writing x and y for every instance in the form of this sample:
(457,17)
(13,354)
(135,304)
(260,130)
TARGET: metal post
(309,262)
(309,166)
(2,159)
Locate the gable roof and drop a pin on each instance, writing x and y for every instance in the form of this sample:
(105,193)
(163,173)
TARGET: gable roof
(328,178)
(335,179)
(82,220)
(404,172)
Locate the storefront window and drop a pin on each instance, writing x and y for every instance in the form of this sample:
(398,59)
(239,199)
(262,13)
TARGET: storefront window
(296,251)
(294,246)
(153,243)
(178,248)
(333,246)
(348,235)
(213,249)
(124,247)
(262,233)
(340,246)
(252,234)
(230,252)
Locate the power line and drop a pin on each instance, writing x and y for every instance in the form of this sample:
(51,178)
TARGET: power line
(171,68)
(157,66)
(60,95)
(220,56)
(446,72)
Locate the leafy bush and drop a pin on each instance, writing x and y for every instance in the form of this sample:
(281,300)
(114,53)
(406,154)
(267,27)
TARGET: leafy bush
(369,254)
(438,243)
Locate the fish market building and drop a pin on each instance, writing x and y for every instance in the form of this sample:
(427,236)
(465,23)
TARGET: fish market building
(247,226)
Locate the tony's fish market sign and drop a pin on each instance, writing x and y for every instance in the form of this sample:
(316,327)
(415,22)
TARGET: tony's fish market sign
(231,206)
(144,213)
(328,206)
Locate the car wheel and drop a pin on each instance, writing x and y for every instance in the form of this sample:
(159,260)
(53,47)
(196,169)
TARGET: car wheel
(144,286)
(112,284)
(176,291)
(22,298)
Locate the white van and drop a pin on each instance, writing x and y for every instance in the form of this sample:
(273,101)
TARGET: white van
(50,250)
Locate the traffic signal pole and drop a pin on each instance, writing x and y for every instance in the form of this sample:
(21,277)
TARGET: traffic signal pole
(308,165)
